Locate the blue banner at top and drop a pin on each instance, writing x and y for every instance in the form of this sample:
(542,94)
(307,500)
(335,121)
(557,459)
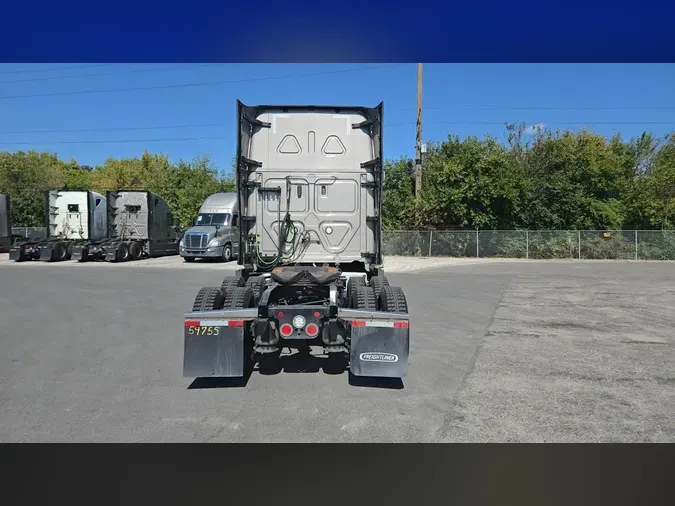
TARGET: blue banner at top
(345,31)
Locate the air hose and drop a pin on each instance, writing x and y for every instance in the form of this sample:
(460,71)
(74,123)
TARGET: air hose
(287,234)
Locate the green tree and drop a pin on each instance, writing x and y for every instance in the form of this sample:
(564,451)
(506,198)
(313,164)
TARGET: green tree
(26,176)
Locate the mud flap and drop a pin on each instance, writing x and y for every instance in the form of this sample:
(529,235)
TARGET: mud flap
(77,253)
(18,254)
(111,255)
(214,348)
(47,253)
(379,349)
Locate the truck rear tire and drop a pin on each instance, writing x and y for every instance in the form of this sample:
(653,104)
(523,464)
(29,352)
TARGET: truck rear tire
(135,250)
(122,254)
(393,299)
(239,297)
(363,297)
(208,299)
(60,252)
(352,285)
(231,282)
(378,282)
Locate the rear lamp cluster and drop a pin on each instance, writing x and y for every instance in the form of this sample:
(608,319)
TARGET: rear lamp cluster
(299,323)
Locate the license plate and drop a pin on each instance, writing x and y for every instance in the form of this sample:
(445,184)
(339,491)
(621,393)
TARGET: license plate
(209,328)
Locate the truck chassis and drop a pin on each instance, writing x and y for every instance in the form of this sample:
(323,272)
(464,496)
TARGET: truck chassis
(110,250)
(123,250)
(51,249)
(359,319)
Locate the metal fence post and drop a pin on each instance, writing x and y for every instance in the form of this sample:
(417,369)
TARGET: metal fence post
(431,238)
(477,252)
(527,244)
(579,242)
(636,246)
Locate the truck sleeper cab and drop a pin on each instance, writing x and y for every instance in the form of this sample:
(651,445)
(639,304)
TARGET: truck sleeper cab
(214,232)
(139,225)
(72,218)
(309,184)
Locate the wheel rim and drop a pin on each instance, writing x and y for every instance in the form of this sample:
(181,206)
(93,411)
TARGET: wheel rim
(227,253)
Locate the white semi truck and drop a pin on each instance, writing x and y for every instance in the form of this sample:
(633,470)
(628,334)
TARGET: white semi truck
(85,225)
(309,182)
(71,218)
(139,224)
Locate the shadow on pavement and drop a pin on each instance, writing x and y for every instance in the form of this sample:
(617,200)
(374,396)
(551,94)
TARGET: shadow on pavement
(207,383)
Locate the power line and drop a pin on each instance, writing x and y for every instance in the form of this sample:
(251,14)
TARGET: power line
(559,122)
(216,125)
(55,68)
(127,71)
(123,141)
(115,141)
(199,138)
(488,108)
(120,129)
(562,108)
(205,83)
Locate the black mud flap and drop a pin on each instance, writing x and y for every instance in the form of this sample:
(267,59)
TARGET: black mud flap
(18,254)
(47,253)
(80,253)
(214,348)
(379,348)
(112,254)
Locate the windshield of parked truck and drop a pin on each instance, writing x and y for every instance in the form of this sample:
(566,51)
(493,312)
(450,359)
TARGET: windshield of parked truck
(212,219)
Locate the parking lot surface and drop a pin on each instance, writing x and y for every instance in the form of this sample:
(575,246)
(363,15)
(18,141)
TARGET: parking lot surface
(500,351)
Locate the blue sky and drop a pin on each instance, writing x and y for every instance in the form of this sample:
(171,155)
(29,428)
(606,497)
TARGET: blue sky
(40,107)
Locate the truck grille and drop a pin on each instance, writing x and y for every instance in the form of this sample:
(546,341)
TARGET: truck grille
(196,240)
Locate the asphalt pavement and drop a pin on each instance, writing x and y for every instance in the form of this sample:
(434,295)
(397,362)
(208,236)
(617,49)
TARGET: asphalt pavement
(93,353)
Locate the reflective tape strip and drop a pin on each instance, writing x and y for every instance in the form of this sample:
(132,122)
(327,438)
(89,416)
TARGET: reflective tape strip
(401,324)
(214,323)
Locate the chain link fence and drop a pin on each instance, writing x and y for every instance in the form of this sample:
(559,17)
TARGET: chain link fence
(30,232)
(533,244)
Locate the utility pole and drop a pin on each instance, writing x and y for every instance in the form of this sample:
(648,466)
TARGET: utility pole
(418,140)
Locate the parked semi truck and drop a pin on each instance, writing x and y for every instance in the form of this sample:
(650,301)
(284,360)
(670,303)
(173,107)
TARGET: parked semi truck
(139,225)
(71,218)
(214,233)
(309,185)
(5,224)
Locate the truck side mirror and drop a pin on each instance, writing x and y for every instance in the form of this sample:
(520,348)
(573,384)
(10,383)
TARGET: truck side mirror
(193,221)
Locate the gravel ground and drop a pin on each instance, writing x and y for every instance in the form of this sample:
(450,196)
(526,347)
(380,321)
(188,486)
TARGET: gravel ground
(584,353)
(501,351)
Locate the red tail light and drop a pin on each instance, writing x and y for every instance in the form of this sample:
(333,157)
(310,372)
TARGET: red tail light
(312,330)
(286,329)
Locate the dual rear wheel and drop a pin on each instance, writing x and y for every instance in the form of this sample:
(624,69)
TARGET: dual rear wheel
(129,251)
(376,295)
